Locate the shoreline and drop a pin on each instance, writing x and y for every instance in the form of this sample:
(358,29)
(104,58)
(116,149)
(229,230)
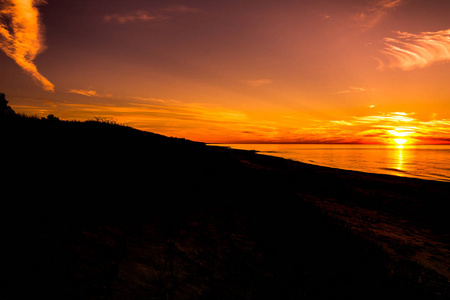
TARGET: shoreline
(385,170)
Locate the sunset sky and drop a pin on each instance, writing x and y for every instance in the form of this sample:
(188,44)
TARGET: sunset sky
(305,71)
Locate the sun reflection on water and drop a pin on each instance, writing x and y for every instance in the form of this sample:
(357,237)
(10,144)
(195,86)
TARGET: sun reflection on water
(400,157)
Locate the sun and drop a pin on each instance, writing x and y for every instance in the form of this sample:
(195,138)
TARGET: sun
(400,135)
(400,141)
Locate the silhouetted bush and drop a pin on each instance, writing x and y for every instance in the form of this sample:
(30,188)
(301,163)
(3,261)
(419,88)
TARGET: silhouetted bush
(105,120)
(5,109)
(52,117)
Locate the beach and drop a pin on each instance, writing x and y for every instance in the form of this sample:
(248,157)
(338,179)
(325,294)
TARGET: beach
(131,214)
(405,216)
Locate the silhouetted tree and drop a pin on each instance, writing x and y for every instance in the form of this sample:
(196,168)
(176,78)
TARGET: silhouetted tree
(52,117)
(5,109)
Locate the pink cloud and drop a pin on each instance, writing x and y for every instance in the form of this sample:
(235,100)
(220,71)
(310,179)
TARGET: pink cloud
(410,51)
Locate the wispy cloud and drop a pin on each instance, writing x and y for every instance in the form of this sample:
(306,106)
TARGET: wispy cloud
(211,123)
(389,127)
(88,93)
(146,16)
(389,3)
(351,89)
(156,100)
(409,51)
(392,117)
(373,14)
(324,16)
(378,128)
(21,36)
(197,121)
(142,16)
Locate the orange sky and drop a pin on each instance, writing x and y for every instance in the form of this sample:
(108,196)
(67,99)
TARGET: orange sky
(312,71)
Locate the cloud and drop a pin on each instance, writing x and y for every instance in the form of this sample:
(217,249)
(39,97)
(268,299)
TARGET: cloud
(342,123)
(88,93)
(212,124)
(386,118)
(351,89)
(145,16)
(324,16)
(389,3)
(142,16)
(386,128)
(372,15)
(84,92)
(156,100)
(382,128)
(21,36)
(151,108)
(410,51)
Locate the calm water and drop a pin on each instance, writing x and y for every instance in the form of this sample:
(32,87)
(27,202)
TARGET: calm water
(421,161)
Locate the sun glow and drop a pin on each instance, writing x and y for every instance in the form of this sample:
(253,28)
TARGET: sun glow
(400,141)
(400,135)
(401,132)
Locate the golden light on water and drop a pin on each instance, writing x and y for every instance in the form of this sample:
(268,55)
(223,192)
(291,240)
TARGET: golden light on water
(400,157)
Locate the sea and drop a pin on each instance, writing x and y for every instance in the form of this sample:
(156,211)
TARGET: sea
(430,162)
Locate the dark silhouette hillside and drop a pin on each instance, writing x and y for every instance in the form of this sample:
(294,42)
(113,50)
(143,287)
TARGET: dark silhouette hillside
(95,210)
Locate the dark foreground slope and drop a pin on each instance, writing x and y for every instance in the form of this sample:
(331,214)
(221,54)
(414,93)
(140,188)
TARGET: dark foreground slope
(100,211)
